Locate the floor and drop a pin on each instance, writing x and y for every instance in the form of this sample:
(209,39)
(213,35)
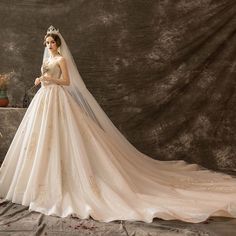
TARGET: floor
(15,219)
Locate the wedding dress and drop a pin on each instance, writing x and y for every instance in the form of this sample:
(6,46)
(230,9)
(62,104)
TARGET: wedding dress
(63,162)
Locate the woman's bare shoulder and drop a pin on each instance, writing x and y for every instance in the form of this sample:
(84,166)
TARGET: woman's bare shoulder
(61,59)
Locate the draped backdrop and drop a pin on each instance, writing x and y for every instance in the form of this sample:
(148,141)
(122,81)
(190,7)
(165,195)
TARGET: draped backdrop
(163,71)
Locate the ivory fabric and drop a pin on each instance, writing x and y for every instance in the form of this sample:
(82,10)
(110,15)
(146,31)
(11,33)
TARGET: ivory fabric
(62,163)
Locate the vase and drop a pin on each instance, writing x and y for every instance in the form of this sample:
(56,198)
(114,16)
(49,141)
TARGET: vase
(3,98)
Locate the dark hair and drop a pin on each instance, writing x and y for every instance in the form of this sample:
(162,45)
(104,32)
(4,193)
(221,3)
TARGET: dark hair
(55,37)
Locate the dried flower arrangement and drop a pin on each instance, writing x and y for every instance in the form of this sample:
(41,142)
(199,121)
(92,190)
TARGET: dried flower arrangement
(4,79)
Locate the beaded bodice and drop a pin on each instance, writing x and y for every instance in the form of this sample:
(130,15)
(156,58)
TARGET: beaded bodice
(51,67)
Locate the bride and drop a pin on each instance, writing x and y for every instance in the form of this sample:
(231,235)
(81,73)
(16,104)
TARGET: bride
(67,158)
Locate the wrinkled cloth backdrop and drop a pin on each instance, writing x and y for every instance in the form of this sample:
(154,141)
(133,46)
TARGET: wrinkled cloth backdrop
(163,71)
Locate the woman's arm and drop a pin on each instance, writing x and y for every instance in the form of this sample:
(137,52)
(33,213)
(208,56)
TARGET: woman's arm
(65,75)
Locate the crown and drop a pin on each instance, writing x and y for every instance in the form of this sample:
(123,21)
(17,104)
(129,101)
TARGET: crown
(53,30)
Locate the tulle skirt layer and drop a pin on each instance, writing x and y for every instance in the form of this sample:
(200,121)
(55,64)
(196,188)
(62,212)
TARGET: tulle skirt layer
(62,163)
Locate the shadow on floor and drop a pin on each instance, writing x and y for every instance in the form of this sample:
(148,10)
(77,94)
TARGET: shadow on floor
(16,219)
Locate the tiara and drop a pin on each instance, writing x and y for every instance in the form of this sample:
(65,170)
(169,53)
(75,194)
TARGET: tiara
(53,30)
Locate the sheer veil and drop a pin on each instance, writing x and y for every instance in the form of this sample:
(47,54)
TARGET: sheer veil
(85,99)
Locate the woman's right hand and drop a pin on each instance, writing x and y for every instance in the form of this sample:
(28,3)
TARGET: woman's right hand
(37,81)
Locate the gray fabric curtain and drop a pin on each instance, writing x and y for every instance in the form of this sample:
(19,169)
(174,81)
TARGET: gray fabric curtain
(187,88)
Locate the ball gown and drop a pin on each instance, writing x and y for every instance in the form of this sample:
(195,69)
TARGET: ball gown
(62,163)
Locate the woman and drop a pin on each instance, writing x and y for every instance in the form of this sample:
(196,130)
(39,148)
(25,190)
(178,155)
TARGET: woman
(67,157)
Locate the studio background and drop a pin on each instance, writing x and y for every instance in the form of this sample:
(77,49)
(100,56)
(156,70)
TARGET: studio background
(163,71)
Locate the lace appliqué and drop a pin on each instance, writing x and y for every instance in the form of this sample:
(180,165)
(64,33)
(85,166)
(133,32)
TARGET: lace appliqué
(42,194)
(31,147)
(94,185)
(45,67)
(213,184)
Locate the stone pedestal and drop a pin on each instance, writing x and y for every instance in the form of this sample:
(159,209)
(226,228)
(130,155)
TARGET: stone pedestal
(10,119)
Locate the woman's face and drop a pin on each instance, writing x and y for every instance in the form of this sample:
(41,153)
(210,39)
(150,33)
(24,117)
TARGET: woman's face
(51,44)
